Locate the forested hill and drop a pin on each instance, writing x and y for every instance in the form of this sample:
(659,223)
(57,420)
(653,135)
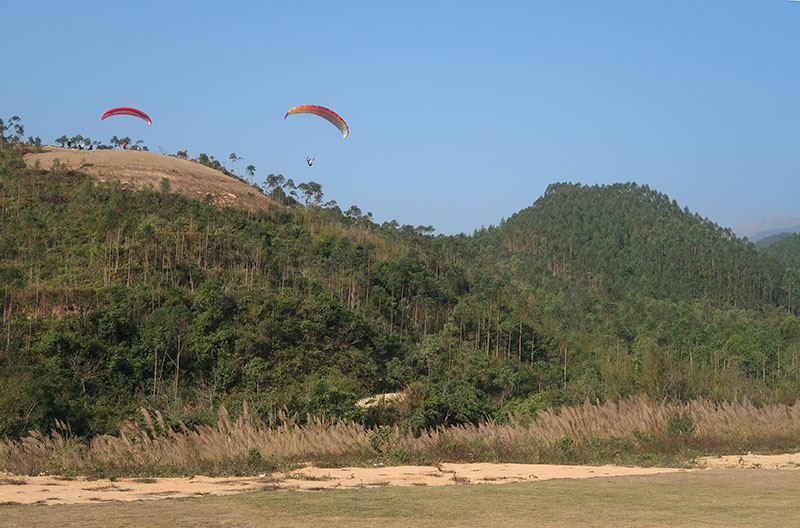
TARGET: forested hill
(115,298)
(786,251)
(630,238)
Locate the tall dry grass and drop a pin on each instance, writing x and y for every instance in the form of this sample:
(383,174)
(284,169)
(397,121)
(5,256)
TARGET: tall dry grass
(597,433)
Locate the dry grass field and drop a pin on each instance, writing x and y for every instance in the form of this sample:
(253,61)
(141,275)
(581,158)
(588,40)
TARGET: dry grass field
(142,169)
(621,433)
(720,497)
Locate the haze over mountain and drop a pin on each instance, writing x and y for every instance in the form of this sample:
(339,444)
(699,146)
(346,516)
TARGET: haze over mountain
(764,228)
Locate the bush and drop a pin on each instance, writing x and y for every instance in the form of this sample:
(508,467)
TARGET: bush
(680,426)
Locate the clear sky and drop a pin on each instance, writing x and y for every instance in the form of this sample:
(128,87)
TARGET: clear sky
(461,113)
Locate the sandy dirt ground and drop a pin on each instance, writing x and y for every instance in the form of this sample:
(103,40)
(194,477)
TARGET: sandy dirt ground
(61,490)
(141,169)
(750,461)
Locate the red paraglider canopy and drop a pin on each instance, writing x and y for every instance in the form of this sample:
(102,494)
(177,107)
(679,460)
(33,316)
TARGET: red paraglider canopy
(126,110)
(325,113)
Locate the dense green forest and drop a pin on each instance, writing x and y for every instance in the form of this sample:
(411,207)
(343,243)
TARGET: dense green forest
(114,299)
(786,250)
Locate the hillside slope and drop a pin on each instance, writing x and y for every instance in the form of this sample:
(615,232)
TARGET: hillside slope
(142,169)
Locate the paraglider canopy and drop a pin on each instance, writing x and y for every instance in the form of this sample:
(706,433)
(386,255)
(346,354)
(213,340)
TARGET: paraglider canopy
(126,110)
(325,113)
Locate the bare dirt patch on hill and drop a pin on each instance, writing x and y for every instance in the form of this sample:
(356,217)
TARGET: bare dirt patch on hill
(147,169)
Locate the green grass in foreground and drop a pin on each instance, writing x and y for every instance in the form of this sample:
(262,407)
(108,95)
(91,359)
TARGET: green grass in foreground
(702,498)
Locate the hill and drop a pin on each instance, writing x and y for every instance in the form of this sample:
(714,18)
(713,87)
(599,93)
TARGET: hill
(147,169)
(121,296)
(629,238)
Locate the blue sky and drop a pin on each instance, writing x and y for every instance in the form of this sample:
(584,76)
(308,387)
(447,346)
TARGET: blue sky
(460,113)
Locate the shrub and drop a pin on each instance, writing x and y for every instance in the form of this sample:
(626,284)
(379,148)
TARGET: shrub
(680,426)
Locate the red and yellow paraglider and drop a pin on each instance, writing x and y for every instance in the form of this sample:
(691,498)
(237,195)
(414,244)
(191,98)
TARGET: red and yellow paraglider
(126,110)
(325,113)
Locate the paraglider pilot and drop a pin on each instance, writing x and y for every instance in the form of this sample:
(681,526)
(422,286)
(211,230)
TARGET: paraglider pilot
(310,161)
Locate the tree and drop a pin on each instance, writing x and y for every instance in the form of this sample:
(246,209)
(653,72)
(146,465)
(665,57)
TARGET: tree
(62,139)
(18,130)
(391,225)
(274,181)
(312,193)
(251,172)
(234,158)
(292,194)
(354,212)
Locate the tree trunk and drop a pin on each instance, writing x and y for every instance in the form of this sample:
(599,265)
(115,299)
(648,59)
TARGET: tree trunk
(155,372)
(177,366)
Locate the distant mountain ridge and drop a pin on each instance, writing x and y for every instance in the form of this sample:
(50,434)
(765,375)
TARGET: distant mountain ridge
(765,238)
(772,239)
(768,227)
